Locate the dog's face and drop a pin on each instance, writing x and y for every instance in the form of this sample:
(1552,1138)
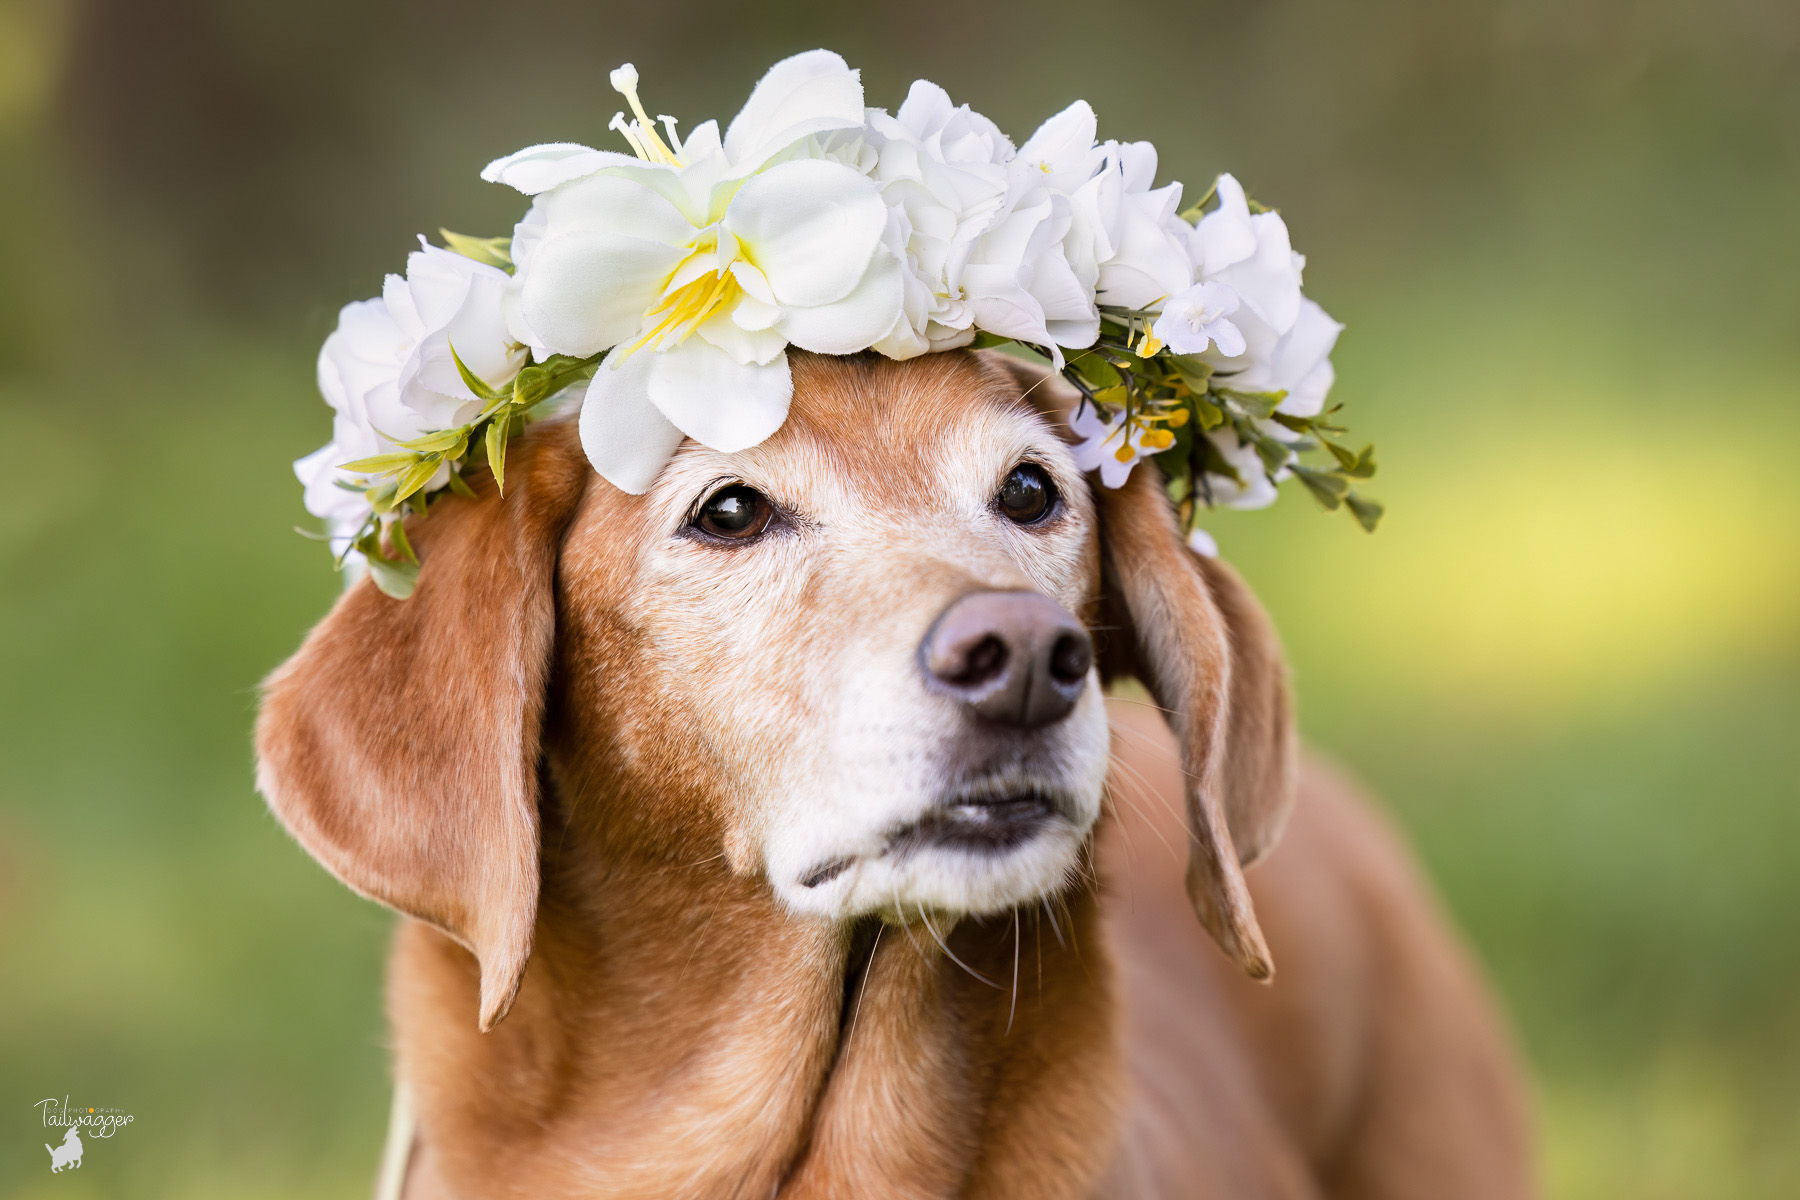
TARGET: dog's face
(858,661)
(857,645)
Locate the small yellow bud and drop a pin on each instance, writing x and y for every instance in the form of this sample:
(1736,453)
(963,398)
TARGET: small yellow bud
(1178,418)
(1123,454)
(1159,439)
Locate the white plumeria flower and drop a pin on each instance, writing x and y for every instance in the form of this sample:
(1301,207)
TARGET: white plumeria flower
(1198,318)
(803,96)
(388,373)
(699,264)
(1109,443)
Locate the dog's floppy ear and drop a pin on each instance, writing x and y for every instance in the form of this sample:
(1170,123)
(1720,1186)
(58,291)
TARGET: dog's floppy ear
(400,744)
(1189,629)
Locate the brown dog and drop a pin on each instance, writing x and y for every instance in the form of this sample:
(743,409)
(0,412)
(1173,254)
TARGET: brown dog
(770,806)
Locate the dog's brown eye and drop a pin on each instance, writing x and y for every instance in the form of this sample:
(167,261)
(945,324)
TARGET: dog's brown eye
(736,512)
(1027,496)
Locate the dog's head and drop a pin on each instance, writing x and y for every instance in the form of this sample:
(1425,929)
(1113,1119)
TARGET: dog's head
(862,661)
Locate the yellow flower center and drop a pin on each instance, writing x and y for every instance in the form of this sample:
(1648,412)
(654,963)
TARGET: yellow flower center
(680,312)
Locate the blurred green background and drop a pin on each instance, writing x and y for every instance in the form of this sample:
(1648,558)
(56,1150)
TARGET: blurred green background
(1562,233)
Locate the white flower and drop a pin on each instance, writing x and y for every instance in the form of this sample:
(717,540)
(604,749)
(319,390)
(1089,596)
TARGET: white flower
(1138,241)
(699,264)
(1197,318)
(388,373)
(942,171)
(808,94)
(1256,490)
(1032,273)
(1288,338)
(1109,444)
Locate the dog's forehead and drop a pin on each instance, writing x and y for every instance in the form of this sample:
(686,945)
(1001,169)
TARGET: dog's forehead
(917,434)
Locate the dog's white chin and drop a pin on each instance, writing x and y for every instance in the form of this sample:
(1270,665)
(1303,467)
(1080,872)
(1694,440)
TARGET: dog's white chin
(945,879)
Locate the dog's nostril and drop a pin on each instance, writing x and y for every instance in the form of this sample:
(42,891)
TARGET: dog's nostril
(985,660)
(1014,658)
(1071,657)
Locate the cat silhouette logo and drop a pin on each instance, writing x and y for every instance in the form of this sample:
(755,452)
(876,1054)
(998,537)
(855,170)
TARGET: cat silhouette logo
(69,1153)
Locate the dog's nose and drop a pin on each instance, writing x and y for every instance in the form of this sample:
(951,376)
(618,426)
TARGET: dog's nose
(1015,658)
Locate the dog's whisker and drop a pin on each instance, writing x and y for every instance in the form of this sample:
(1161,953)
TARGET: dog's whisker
(868,970)
(1014,1006)
(951,954)
(1132,799)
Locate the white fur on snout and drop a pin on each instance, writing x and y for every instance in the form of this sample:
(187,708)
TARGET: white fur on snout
(900,752)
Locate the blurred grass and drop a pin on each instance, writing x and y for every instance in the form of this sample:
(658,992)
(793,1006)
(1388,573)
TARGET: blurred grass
(1561,237)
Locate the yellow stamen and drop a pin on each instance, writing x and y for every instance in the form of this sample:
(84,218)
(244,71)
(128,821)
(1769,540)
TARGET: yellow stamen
(684,310)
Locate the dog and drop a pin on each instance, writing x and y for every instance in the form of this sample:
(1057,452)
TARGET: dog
(68,1154)
(782,815)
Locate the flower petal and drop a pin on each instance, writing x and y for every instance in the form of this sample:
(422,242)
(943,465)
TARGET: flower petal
(1225,236)
(811,226)
(625,204)
(589,290)
(746,345)
(539,168)
(806,94)
(624,435)
(857,321)
(716,400)
(1061,153)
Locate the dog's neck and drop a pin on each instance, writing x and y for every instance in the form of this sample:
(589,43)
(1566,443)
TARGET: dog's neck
(679,1034)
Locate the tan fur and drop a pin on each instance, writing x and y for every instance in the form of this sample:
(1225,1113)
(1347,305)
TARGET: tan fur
(583,747)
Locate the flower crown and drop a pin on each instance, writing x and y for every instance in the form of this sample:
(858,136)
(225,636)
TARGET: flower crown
(666,285)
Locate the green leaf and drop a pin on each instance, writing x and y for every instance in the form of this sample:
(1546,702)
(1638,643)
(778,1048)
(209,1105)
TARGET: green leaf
(437,443)
(494,251)
(541,381)
(1328,489)
(1194,372)
(398,532)
(395,578)
(415,477)
(380,464)
(1210,415)
(460,486)
(382,498)
(1258,405)
(1095,371)
(496,453)
(1274,454)
(1346,458)
(475,383)
(1368,513)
